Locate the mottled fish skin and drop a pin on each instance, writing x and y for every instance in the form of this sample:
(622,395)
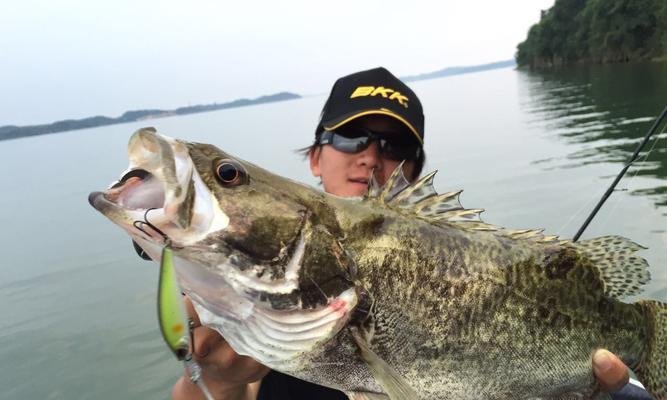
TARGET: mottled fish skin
(482,316)
(458,308)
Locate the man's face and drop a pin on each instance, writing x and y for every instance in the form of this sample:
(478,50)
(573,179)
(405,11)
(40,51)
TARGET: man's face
(347,174)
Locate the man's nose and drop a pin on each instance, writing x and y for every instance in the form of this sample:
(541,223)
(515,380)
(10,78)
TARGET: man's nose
(370,157)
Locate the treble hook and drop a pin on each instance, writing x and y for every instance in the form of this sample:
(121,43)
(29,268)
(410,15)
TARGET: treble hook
(141,224)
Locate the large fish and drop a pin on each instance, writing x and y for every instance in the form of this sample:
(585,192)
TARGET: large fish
(402,294)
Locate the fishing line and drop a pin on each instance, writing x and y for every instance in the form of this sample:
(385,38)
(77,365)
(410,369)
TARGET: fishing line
(594,196)
(591,199)
(632,159)
(634,175)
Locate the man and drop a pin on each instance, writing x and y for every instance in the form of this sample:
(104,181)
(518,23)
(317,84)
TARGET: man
(370,122)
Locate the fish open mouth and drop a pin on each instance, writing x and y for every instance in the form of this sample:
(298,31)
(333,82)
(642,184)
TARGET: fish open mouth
(161,189)
(128,200)
(138,189)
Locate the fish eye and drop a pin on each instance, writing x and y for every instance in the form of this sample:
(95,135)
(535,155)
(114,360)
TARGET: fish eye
(230,173)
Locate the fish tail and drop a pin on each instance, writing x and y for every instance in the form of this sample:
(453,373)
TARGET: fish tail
(652,370)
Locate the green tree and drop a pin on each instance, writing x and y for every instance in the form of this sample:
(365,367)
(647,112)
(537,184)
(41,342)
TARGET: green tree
(596,30)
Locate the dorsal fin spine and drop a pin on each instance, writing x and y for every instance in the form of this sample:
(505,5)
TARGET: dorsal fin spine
(421,199)
(441,198)
(393,184)
(425,181)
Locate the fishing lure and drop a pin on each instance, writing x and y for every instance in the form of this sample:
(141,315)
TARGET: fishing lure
(175,327)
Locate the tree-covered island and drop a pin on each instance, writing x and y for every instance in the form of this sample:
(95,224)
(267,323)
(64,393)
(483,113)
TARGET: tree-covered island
(596,31)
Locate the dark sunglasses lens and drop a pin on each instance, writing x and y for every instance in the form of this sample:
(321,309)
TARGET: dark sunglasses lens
(400,151)
(349,144)
(351,139)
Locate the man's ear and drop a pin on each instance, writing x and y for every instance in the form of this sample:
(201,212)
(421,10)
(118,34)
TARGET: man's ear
(314,158)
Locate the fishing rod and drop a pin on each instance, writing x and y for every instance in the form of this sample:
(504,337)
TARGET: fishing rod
(632,159)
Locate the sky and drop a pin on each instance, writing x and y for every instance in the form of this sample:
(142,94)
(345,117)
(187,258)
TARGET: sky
(62,59)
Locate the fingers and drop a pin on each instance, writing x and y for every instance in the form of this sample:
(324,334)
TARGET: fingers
(205,338)
(220,361)
(609,370)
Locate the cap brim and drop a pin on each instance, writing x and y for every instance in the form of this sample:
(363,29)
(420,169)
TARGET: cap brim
(337,122)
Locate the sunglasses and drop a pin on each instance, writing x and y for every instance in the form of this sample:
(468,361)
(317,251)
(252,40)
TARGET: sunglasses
(353,139)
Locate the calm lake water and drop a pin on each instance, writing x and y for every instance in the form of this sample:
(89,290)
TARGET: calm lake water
(533,149)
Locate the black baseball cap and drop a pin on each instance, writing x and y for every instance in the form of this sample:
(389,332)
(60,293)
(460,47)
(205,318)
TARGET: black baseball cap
(375,91)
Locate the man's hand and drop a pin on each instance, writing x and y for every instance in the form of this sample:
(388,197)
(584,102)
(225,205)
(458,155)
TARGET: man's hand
(609,370)
(226,374)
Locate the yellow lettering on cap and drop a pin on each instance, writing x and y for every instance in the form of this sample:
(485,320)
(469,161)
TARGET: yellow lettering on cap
(362,91)
(401,99)
(382,91)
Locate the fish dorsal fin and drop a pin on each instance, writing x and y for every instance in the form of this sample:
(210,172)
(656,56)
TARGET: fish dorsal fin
(418,191)
(387,377)
(374,187)
(623,272)
(394,185)
(423,200)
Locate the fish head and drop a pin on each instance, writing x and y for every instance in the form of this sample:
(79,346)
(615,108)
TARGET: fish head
(195,195)
(245,247)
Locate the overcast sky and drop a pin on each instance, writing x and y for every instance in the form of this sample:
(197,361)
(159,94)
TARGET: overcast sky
(76,58)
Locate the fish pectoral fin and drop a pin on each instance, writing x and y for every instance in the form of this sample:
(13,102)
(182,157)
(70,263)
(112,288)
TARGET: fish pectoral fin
(393,384)
(366,396)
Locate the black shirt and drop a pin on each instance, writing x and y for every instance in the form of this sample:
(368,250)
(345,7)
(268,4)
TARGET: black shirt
(277,386)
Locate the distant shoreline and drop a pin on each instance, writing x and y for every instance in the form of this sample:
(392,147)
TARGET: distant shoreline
(15,132)
(450,71)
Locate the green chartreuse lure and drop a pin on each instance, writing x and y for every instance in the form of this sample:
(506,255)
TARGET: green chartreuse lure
(174,324)
(171,312)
